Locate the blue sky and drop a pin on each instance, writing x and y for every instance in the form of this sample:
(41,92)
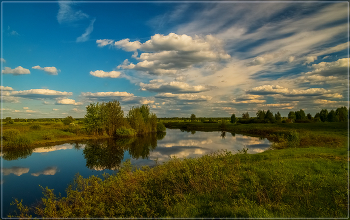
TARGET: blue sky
(211,59)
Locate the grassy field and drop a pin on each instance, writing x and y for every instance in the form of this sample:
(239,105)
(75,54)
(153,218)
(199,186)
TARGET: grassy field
(304,181)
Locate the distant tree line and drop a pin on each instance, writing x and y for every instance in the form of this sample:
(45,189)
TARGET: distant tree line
(108,118)
(339,115)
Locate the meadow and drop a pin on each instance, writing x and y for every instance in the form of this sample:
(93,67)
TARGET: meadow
(305,175)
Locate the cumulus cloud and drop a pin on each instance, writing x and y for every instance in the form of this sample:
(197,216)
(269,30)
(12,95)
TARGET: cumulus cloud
(67,14)
(103,74)
(168,54)
(5,88)
(18,171)
(25,107)
(85,36)
(49,171)
(2,60)
(16,71)
(67,102)
(40,94)
(106,94)
(184,97)
(335,68)
(50,70)
(267,90)
(173,87)
(55,109)
(30,111)
(146,101)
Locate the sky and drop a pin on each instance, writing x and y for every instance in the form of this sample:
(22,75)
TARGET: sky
(212,59)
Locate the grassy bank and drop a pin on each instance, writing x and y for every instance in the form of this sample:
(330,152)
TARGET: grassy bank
(308,180)
(27,134)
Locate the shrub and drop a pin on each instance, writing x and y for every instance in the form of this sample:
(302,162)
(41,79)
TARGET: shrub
(18,142)
(67,120)
(10,134)
(293,139)
(48,136)
(125,132)
(10,122)
(35,127)
(160,127)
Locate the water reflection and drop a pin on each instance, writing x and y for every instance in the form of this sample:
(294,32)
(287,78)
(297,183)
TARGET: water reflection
(47,171)
(17,154)
(18,171)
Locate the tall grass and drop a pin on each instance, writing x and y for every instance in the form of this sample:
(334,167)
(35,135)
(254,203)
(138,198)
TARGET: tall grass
(218,185)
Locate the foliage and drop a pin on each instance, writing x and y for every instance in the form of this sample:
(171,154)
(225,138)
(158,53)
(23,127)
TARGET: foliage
(309,116)
(245,115)
(342,113)
(161,127)
(260,115)
(233,118)
(291,115)
(293,139)
(125,132)
(269,116)
(35,127)
(300,115)
(324,115)
(193,117)
(67,120)
(332,117)
(10,134)
(278,117)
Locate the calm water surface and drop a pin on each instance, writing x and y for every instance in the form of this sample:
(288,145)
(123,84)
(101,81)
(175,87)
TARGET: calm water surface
(56,166)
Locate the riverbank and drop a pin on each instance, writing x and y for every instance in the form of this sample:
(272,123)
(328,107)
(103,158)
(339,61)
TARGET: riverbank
(304,181)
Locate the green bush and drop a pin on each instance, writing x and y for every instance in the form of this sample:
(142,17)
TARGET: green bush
(125,132)
(293,139)
(18,142)
(35,127)
(160,127)
(67,120)
(10,134)
(48,136)
(10,122)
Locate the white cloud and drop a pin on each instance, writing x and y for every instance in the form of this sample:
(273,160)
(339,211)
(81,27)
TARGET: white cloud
(103,74)
(2,60)
(310,59)
(291,59)
(50,70)
(67,102)
(106,94)
(126,45)
(67,14)
(173,87)
(146,101)
(184,97)
(55,109)
(104,42)
(6,88)
(40,94)
(30,111)
(16,71)
(25,107)
(85,36)
(171,53)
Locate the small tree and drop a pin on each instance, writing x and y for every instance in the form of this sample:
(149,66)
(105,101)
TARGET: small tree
(332,117)
(260,114)
(245,115)
(67,120)
(278,117)
(233,118)
(269,116)
(309,116)
(324,115)
(300,115)
(342,113)
(291,115)
(193,117)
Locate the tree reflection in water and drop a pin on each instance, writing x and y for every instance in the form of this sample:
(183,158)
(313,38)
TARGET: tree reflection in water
(109,153)
(17,154)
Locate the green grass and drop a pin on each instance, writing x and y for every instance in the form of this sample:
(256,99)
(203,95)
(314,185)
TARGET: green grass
(305,180)
(299,182)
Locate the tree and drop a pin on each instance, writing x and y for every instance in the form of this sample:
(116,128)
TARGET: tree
(300,115)
(233,118)
(260,114)
(324,115)
(291,115)
(278,117)
(92,118)
(269,116)
(332,117)
(342,113)
(245,115)
(67,120)
(136,121)
(193,117)
(112,116)
(309,116)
